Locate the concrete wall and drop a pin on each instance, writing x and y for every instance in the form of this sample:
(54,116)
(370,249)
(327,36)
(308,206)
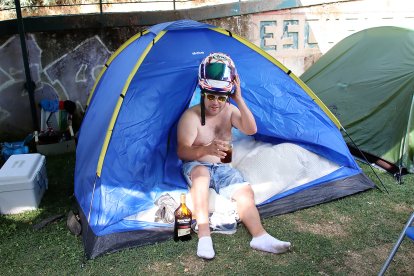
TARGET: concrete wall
(298,37)
(64,65)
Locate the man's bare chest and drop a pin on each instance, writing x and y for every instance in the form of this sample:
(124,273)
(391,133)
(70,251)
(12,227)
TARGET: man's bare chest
(213,130)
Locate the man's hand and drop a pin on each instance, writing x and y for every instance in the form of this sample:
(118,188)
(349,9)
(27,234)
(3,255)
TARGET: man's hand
(216,148)
(237,91)
(242,118)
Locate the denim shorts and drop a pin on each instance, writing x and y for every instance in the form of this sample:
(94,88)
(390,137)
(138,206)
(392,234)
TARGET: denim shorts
(224,179)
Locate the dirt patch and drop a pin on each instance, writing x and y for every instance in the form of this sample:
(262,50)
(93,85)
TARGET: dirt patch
(184,265)
(402,208)
(192,264)
(328,228)
(370,261)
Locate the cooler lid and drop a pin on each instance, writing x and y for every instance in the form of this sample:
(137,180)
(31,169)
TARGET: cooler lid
(19,171)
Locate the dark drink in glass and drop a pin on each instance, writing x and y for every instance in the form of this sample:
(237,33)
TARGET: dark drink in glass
(229,153)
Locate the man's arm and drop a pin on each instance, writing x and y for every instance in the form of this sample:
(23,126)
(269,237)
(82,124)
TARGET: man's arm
(242,118)
(187,134)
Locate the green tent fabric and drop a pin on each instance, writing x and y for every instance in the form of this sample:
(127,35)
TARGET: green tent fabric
(367,81)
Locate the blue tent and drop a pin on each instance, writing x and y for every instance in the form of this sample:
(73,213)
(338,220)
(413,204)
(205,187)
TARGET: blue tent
(126,154)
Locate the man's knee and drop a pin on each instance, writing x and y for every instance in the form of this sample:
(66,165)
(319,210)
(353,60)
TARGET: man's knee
(244,194)
(199,171)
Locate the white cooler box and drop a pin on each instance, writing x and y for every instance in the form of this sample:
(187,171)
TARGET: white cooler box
(23,181)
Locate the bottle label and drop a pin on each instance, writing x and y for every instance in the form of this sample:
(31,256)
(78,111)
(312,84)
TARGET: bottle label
(183,231)
(183,227)
(184,221)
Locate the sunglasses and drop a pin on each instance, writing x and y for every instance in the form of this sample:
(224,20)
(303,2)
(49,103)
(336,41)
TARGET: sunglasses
(212,97)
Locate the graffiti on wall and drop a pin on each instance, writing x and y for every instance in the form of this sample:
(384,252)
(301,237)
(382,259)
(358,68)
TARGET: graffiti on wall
(74,73)
(298,37)
(289,37)
(293,35)
(69,77)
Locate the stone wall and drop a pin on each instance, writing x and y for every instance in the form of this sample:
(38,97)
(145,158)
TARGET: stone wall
(64,65)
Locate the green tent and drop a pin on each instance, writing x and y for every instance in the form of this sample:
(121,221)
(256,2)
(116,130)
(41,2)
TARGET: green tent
(367,81)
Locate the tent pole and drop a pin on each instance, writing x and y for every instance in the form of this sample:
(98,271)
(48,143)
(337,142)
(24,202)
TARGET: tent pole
(398,175)
(403,146)
(29,85)
(101,19)
(363,155)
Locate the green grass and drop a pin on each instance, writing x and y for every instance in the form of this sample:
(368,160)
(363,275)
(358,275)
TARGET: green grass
(349,236)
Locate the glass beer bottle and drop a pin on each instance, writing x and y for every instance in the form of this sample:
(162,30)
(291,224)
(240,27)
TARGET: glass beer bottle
(182,226)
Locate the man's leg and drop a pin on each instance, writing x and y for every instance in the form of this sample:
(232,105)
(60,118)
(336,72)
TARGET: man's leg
(200,179)
(250,217)
(248,213)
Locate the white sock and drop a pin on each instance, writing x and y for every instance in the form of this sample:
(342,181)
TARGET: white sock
(205,248)
(270,244)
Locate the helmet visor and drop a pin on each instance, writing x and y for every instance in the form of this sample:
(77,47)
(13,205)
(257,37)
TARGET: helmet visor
(218,71)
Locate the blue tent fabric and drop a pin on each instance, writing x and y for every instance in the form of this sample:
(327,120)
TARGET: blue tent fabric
(156,73)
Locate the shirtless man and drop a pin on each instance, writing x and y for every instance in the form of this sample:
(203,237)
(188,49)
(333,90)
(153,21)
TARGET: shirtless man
(201,147)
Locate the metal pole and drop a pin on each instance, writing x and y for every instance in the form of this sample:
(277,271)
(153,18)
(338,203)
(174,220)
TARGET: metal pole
(395,248)
(29,85)
(100,14)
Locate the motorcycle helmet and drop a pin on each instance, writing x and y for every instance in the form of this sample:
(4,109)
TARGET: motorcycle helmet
(215,75)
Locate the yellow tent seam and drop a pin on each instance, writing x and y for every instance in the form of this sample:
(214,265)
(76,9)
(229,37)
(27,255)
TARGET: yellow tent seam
(119,103)
(94,85)
(286,70)
(111,58)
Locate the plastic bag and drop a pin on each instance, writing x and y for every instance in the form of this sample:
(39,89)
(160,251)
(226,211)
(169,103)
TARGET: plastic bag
(8,149)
